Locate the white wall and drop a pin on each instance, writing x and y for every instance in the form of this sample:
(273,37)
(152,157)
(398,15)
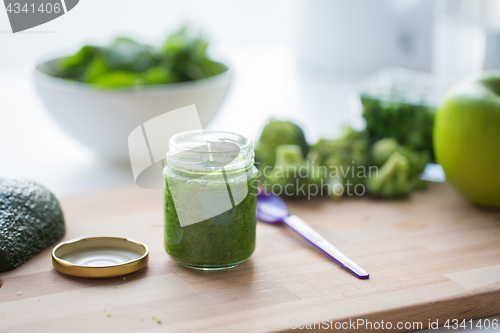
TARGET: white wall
(227,23)
(366,35)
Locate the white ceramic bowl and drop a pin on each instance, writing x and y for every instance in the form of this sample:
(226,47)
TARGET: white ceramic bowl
(103,119)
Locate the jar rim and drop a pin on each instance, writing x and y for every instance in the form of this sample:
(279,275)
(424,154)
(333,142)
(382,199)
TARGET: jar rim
(209,150)
(177,147)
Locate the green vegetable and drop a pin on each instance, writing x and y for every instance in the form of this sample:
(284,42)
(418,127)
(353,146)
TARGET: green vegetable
(345,158)
(350,143)
(82,58)
(274,134)
(393,178)
(396,118)
(291,174)
(125,54)
(95,69)
(115,79)
(30,221)
(127,63)
(383,149)
(159,75)
(336,166)
(399,169)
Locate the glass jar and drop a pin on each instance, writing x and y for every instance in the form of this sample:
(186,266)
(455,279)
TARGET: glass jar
(210,199)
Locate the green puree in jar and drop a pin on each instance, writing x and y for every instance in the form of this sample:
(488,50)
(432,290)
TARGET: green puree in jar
(223,240)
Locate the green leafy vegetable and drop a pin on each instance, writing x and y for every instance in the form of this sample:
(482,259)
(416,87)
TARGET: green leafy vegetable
(125,54)
(127,63)
(115,79)
(410,124)
(81,58)
(159,75)
(94,69)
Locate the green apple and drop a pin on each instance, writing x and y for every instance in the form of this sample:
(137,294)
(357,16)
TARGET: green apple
(467,138)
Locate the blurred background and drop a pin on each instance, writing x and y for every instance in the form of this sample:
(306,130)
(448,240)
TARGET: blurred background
(292,59)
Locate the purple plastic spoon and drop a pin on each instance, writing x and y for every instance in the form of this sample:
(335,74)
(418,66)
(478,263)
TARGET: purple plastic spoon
(272,209)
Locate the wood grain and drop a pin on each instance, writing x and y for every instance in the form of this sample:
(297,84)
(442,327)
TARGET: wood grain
(432,257)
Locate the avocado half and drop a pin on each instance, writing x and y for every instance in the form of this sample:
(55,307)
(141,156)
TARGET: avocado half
(31,220)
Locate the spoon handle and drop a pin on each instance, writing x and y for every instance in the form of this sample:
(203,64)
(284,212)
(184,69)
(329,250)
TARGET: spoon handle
(303,229)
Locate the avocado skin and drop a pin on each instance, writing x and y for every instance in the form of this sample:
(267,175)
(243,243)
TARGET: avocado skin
(31,220)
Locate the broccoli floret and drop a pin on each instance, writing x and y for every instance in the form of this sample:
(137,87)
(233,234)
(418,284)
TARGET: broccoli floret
(417,160)
(351,144)
(316,173)
(289,155)
(383,149)
(333,185)
(392,179)
(343,159)
(277,133)
(335,179)
(314,157)
(292,175)
(286,170)
(326,147)
(399,169)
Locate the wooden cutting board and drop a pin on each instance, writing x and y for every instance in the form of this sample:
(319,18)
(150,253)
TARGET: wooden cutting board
(432,257)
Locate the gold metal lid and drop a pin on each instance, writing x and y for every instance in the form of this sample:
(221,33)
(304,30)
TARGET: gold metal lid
(100,256)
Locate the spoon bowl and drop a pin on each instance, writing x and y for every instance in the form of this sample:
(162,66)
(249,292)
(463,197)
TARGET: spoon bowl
(271,208)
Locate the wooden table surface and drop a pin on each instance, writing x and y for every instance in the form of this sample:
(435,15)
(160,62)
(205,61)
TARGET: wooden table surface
(432,257)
